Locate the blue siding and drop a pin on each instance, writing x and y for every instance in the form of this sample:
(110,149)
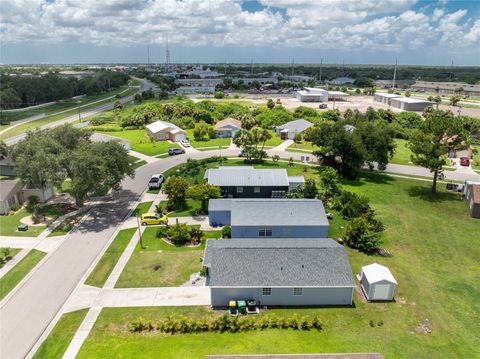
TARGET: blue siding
(221,218)
(282,232)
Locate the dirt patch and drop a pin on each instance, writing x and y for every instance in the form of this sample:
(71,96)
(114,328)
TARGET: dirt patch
(43,221)
(156,267)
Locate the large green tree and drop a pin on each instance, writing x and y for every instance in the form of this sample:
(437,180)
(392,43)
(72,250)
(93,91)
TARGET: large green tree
(53,155)
(440,133)
(176,190)
(203,192)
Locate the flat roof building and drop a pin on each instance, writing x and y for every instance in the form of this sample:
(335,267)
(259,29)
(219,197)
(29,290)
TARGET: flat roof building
(312,94)
(410,103)
(447,87)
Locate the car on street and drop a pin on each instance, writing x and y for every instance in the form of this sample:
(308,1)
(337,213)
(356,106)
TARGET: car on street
(185,143)
(464,161)
(155,181)
(322,106)
(153,218)
(175,151)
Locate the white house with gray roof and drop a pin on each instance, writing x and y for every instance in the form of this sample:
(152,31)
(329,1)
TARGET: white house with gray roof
(270,218)
(249,182)
(278,272)
(289,130)
(163,131)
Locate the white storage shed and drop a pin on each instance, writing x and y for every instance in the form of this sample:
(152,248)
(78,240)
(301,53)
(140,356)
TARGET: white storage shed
(377,282)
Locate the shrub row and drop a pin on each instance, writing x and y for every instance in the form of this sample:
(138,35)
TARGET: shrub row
(223,324)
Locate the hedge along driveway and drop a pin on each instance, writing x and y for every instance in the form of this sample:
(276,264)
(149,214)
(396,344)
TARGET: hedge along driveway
(140,142)
(161,264)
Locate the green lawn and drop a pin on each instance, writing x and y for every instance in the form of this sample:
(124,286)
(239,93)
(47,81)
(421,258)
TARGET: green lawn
(274,141)
(9,224)
(303,146)
(13,253)
(136,161)
(161,264)
(402,153)
(435,261)
(140,142)
(141,208)
(67,225)
(60,337)
(19,271)
(56,117)
(476,158)
(216,142)
(190,209)
(108,261)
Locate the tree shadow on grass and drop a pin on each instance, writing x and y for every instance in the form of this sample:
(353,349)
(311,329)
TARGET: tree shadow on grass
(368,178)
(425,194)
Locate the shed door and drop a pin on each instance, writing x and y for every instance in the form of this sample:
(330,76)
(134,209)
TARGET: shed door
(381,291)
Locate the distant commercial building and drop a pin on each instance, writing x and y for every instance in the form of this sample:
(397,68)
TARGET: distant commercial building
(312,94)
(76,74)
(385,97)
(208,82)
(200,72)
(298,78)
(337,96)
(387,84)
(195,89)
(342,81)
(447,88)
(402,102)
(410,103)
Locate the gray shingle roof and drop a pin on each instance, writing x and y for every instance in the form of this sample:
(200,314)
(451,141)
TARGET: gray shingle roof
(276,212)
(296,126)
(246,176)
(310,262)
(7,187)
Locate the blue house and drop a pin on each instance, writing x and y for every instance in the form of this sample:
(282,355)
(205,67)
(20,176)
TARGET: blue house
(270,218)
(227,127)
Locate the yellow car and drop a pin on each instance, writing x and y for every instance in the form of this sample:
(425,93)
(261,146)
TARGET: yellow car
(153,218)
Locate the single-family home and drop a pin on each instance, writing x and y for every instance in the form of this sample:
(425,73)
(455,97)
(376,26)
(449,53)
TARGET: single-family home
(163,131)
(249,182)
(270,217)
(278,272)
(227,127)
(7,166)
(377,282)
(472,195)
(9,194)
(289,130)
(14,192)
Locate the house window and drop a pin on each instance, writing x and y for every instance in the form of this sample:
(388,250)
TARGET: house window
(239,189)
(266,291)
(256,189)
(297,291)
(265,232)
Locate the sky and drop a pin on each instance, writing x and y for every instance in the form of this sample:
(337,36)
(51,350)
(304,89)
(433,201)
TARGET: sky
(263,31)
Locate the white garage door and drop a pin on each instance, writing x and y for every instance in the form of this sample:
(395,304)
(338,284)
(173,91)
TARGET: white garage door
(381,291)
(179,137)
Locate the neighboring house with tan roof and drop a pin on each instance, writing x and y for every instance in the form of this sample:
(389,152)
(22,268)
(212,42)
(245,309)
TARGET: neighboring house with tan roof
(227,127)
(163,131)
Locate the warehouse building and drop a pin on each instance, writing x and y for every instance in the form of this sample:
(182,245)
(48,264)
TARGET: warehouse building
(410,103)
(278,272)
(270,218)
(447,88)
(312,94)
(385,97)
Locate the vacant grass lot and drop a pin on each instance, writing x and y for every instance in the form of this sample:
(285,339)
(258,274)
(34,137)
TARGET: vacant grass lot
(19,271)
(140,142)
(435,261)
(9,224)
(161,264)
(108,261)
(62,334)
(274,141)
(402,153)
(216,142)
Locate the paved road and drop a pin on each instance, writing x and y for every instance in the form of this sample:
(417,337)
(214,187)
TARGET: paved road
(144,85)
(26,314)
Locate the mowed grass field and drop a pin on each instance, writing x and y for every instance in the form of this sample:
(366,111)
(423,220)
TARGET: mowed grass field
(435,261)
(140,142)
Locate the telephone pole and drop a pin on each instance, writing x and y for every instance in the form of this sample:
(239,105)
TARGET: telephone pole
(394,74)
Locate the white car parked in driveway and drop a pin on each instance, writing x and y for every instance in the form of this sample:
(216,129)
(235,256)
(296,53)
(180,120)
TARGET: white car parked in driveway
(156,181)
(185,143)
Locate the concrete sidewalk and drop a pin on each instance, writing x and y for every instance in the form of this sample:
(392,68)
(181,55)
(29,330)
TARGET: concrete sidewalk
(283,146)
(12,262)
(91,297)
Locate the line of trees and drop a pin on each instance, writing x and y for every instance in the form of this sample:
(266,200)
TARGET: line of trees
(20,91)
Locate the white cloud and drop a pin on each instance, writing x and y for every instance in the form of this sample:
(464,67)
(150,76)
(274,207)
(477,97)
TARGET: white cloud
(326,24)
